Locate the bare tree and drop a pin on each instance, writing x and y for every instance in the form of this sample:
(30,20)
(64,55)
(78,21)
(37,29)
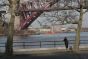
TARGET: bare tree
(77,40)
(68,17)
(9,44)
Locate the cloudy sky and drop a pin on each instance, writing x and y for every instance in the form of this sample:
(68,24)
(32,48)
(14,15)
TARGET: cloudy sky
(43,20)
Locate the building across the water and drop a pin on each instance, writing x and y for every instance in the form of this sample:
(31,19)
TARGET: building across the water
(84,30)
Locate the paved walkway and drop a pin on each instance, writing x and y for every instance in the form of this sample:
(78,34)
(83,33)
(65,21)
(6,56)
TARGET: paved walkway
(50,53)
(55,55)
(43,50)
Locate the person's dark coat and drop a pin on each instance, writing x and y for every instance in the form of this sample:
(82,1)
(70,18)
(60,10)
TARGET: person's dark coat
(66,42)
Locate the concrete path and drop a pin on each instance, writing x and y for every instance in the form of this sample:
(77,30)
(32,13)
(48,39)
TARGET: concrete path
(51,53)
(55,55)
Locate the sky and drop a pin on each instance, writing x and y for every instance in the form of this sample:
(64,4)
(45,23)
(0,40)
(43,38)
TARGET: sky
(42,20)
(85,20)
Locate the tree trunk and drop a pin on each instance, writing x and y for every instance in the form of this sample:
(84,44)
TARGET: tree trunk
(77,40)
(9,44)
(1,25)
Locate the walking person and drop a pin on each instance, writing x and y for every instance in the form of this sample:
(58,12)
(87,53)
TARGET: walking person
(66,43)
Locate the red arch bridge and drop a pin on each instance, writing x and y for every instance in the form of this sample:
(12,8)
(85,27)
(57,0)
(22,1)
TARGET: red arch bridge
(30,10)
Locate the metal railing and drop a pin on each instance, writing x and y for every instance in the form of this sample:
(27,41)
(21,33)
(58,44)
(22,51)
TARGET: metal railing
(41,44)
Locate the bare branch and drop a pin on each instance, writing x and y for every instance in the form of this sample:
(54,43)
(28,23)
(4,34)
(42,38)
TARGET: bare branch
(85,11)
(78,2)
(77,10)
(10,1)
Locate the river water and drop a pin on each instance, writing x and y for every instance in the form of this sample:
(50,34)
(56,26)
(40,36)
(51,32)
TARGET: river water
(45,37)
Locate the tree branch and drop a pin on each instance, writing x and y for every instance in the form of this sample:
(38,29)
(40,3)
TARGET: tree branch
(10,1)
